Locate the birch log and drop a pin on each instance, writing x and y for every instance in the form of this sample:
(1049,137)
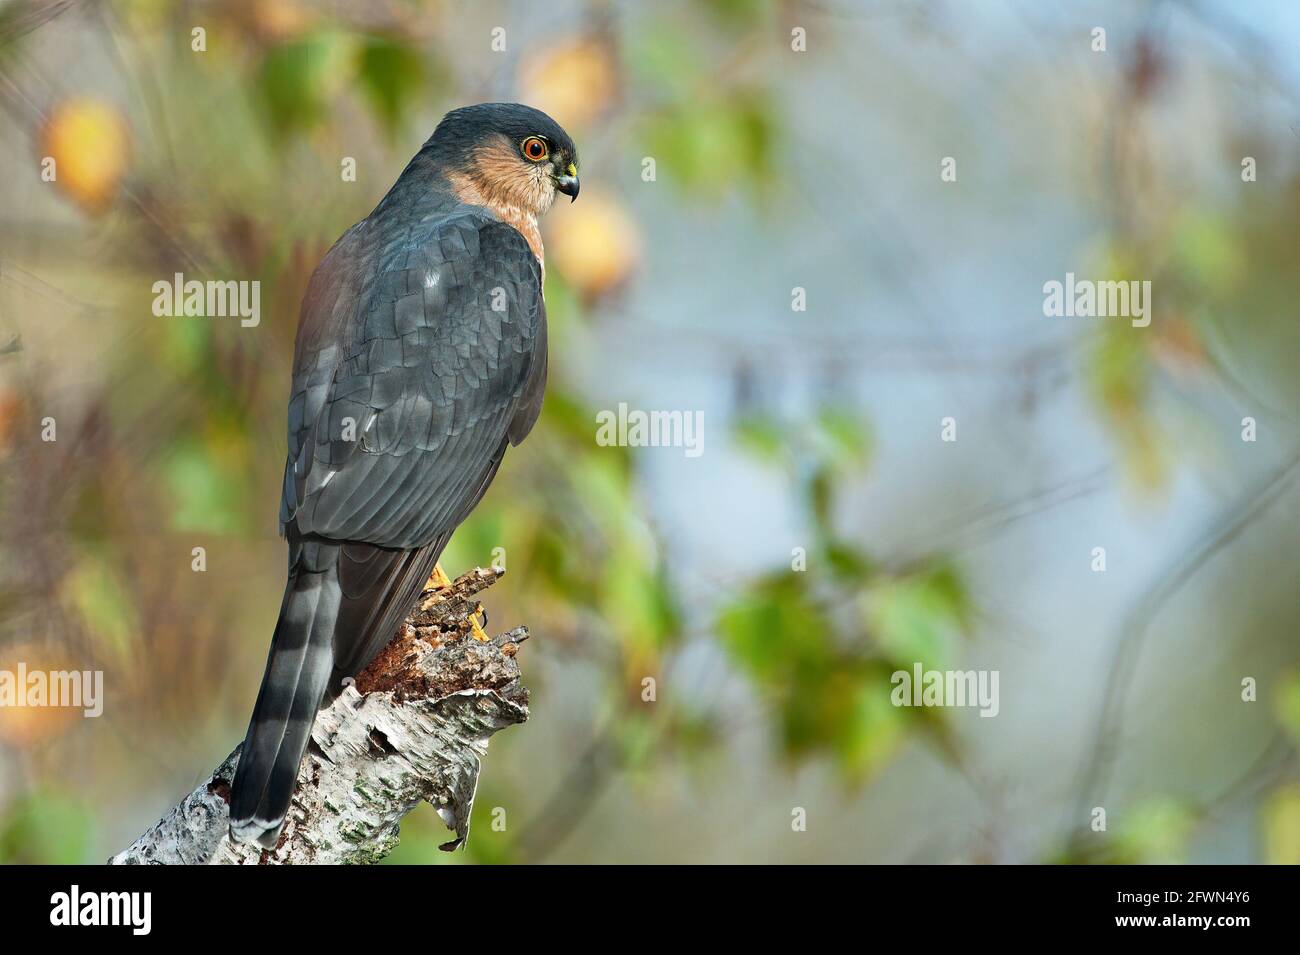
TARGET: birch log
(411,729)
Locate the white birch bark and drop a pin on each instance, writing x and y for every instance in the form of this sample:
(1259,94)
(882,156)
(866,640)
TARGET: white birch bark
(413,729)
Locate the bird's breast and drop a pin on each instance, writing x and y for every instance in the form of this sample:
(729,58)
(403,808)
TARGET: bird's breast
(522,220)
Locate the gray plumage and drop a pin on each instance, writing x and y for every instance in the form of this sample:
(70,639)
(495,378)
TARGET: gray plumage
(420,357)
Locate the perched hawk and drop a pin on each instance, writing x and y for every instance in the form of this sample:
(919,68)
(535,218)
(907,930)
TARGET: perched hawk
(421,355)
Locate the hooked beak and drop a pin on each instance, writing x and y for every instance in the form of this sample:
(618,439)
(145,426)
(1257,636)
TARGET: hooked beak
(568,183)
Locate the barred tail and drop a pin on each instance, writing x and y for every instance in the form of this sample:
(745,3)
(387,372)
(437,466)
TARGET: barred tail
(297,676)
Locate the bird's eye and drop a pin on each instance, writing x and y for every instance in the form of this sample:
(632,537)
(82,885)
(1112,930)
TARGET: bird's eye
(534,149)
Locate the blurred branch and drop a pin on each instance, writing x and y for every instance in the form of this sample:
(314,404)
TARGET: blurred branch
(975,528)
(22,18)
(1248,508)
(411,729)
(576,795)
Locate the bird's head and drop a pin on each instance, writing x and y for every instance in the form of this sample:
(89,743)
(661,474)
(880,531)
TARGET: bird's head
(509,154)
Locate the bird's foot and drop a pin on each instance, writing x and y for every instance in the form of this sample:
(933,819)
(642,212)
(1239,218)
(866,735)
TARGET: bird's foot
(438,580)
(475,628)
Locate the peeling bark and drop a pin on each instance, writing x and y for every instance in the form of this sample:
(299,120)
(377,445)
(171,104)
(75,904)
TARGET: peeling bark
(411,729)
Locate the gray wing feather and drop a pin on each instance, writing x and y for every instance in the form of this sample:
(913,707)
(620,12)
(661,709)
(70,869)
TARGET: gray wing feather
(409,386)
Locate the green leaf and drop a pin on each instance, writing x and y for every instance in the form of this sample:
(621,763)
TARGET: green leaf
(776,632)
(1155,830)
(848,564)
(392,75)
(1209,253)
(915,618)
(821,494)
(844,439)
(666,60)
(298,79)
(205,498)
(634,600)
(105,604)
(46,828)
(875,727)
(1281,824)
(1287,705)
(762,437)
(714,146)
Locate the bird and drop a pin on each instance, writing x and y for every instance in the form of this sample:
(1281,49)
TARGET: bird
(420,358)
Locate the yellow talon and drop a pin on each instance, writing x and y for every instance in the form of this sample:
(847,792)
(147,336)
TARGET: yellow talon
(438,580)
(475,628)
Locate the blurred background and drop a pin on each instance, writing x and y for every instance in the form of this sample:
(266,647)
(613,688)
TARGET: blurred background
(826,537)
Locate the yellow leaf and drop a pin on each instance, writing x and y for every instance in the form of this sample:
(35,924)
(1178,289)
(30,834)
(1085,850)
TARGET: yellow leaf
(1282,827)
(89,143)
(572,81)
(596,246)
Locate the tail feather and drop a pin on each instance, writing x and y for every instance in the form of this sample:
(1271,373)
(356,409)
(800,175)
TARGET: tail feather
(343,603)
(297,674)
(371,618)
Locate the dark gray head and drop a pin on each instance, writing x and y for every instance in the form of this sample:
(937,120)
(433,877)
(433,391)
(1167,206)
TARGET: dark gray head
(510,153)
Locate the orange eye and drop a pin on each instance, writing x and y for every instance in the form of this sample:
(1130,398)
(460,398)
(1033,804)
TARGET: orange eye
(534,149)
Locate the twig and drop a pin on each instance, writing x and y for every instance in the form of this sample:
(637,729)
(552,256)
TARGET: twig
(1094,777)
